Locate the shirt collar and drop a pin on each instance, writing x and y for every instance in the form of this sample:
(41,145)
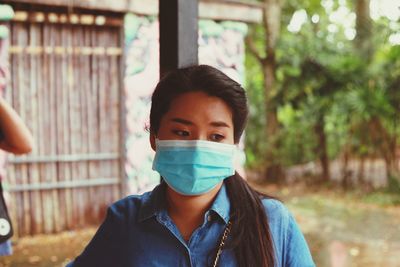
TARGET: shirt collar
(155,202)
(152,203)
(222,205)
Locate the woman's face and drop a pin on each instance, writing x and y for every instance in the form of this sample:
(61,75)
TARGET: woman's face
(196,116)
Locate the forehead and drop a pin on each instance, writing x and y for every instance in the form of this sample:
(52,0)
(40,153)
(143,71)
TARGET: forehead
(200,107)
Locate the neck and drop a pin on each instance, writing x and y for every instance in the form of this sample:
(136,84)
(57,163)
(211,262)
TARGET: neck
(187,212)
(190,206)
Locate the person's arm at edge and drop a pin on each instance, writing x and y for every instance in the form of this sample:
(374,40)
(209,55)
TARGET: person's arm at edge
(16,137)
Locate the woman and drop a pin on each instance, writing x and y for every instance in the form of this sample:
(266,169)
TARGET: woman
(14,138)
(203,213)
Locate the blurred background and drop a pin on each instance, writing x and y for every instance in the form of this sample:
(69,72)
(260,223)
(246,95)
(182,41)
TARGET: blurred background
(323,82)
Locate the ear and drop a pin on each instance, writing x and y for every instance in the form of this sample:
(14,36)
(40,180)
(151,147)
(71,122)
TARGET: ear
(152,140)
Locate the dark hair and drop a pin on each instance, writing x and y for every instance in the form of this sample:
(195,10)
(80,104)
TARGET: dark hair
(250,236)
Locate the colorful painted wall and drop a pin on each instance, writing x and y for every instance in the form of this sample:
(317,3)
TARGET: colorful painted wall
(220,45)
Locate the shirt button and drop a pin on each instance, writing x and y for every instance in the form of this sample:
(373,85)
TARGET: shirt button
(209,218)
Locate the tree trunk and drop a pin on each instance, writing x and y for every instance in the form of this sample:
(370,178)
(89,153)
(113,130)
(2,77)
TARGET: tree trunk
(272,26)
(392,168)
(393,172)
(386,143)
(361,172)
(322,148)
(345,169)
(363,40)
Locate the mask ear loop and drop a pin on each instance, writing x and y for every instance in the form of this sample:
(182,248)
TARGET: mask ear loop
(155,149)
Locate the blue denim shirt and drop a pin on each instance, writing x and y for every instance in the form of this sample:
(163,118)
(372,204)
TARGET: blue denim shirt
(137,231)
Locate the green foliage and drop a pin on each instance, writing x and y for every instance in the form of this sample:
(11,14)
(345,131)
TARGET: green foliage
(322,78)
(383,198)
(393,186)
(255,135)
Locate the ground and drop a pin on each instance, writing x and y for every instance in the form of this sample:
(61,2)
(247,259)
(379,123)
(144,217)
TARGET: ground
(342,229)
(345,229)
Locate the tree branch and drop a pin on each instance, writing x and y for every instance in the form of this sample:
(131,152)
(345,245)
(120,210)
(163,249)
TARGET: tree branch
(253,49)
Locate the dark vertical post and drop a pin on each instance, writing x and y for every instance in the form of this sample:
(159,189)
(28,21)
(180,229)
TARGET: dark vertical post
(178,34)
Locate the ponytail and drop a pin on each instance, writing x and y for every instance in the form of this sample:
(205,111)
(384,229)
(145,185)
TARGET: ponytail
(250,236)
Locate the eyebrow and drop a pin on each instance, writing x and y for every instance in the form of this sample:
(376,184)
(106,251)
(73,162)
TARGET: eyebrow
(182,121)
(214,123)
(220,124)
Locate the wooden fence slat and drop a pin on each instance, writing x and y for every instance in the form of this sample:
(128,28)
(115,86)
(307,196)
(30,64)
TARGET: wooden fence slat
(55,58)
(36,212)
(112,94)
(50,97)
(69,128)
(76,183)
(86,107)
(67,82)
(76,125)
(46,98)
(103,107)
(72,125)
(26,113)
(62,119)
(103,110)
(84,80)
(40,132)
(23,111)
(94,171)
(62,50)
(83,77)
(117,89)
(64,157)
(61,198)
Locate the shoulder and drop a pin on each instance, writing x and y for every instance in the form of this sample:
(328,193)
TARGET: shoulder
(131,201)
(276,211)
(291,246)
(280,219)
(116,230)
(128,209)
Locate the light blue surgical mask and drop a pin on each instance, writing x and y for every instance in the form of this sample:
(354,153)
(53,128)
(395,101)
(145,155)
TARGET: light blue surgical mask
(193,167)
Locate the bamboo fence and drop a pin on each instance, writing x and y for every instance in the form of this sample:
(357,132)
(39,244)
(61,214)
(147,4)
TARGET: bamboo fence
(66,86)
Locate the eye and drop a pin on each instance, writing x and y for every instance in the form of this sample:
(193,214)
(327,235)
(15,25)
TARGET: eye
(217,137)
(181,133)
